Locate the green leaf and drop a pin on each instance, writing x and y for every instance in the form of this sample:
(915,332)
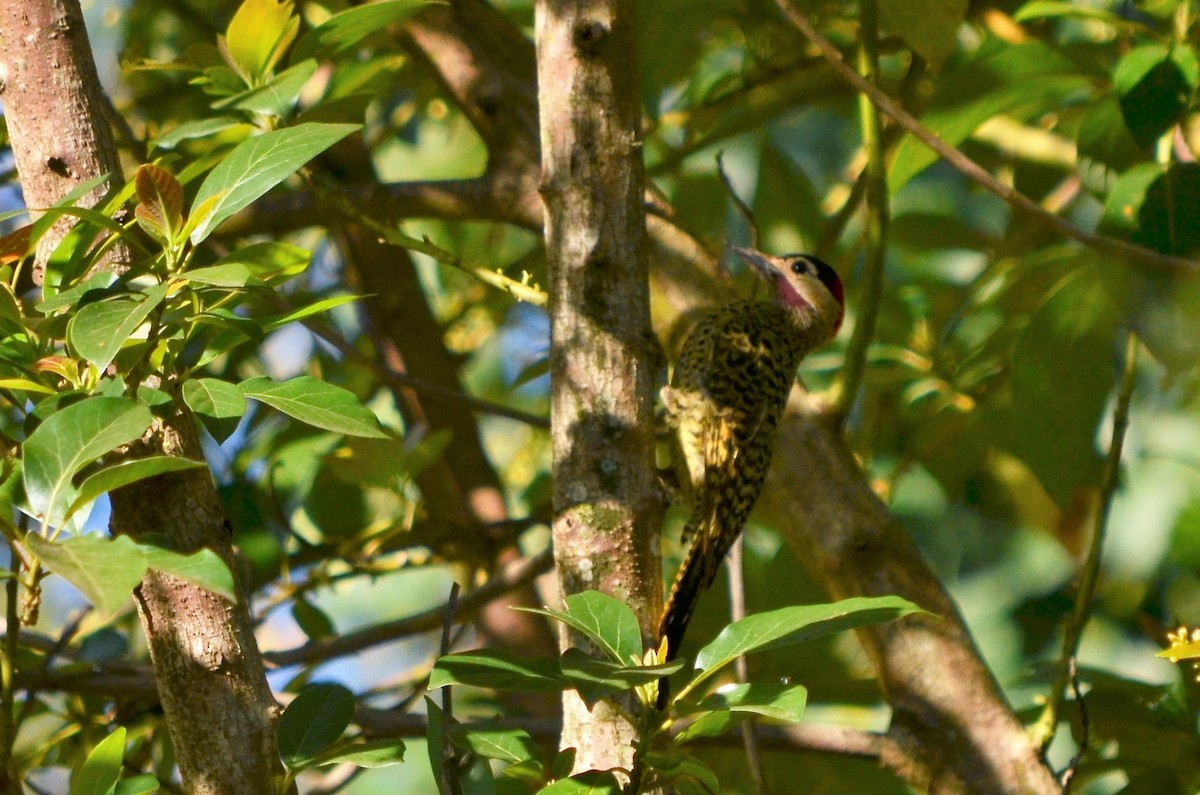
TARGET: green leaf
(597,679)
(69,440)
(711,724)
(771,700)
(313,722)
(219,404)
(270,263)
(143,784)
(315,308)
(592,782)
(102,768)
(498,669)
(1020,80)
(789,626)
(507,745)
(259,164)
(1155,87)
(1044,9)
(1062,372)
(277,97)
(929,26)
(312,620)
(124,473)
(97,331)
(370,754)
(106,570)
(606,621)
(258,35)
(347,28)
(315,402)
(25,385)
(200,128)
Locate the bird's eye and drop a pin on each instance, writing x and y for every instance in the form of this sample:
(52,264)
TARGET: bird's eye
(798,267)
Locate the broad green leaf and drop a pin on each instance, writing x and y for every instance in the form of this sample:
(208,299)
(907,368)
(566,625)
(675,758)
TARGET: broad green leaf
(1062,372)
(597,679)
(219,404)
(929,26)
(69,440)
(213,397)
(102,768)
(606,621)
(70,296)
(143,784)
(592,782)
(258,35)
(435,738)
(789,626)
(1042,9)
(312,620)
(97,331)
(315,308)
(498,669)
(1155,85)
(122,474)
(315,402)
(507,745)
(25,385)
(106,570)
(271,263)
(200,128)
(687,774)
(347,28)
(370,754)
(711,724)
(1020,80)
(276,97)
(259,164)
(769,699)
(313,722)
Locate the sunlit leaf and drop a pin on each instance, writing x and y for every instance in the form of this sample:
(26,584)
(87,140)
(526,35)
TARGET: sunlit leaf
(69,440)
(103,766)
(788,626)
(320,404)
(347,28)
(606,621)
(106,570)
(259,164)
(124,473)
(98,330)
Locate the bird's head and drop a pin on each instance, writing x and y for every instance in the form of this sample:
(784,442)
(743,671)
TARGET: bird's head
(806,285)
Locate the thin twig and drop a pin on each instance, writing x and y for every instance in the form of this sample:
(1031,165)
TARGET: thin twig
(875,230)
(1084,731)
(969,168)
(449,756)
(742,208)
(737,611)
(1043,731)
(420,385)
(511,577)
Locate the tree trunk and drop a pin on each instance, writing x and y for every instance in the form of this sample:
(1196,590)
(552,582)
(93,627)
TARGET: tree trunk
(209,672)
(603,360)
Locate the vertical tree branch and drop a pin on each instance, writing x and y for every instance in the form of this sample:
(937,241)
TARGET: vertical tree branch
(876,227)
(207,665)
(54,108)
(603,359)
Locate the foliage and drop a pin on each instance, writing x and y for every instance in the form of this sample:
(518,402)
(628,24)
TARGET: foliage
(983,423)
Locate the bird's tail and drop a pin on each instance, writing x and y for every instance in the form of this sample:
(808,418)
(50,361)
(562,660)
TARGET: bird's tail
(695,574)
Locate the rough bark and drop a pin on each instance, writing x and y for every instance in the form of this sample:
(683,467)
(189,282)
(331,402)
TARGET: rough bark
(603,364)
(218,706)
(952,730)
(211,681)
(54,109)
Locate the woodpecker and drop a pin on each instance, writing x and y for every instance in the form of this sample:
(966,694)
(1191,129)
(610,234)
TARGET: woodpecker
(723,405)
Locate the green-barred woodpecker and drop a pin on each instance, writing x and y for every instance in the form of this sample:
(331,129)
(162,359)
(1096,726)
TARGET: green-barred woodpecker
(723,406)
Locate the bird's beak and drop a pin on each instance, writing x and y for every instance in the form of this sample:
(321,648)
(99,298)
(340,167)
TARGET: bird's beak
(767,266)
